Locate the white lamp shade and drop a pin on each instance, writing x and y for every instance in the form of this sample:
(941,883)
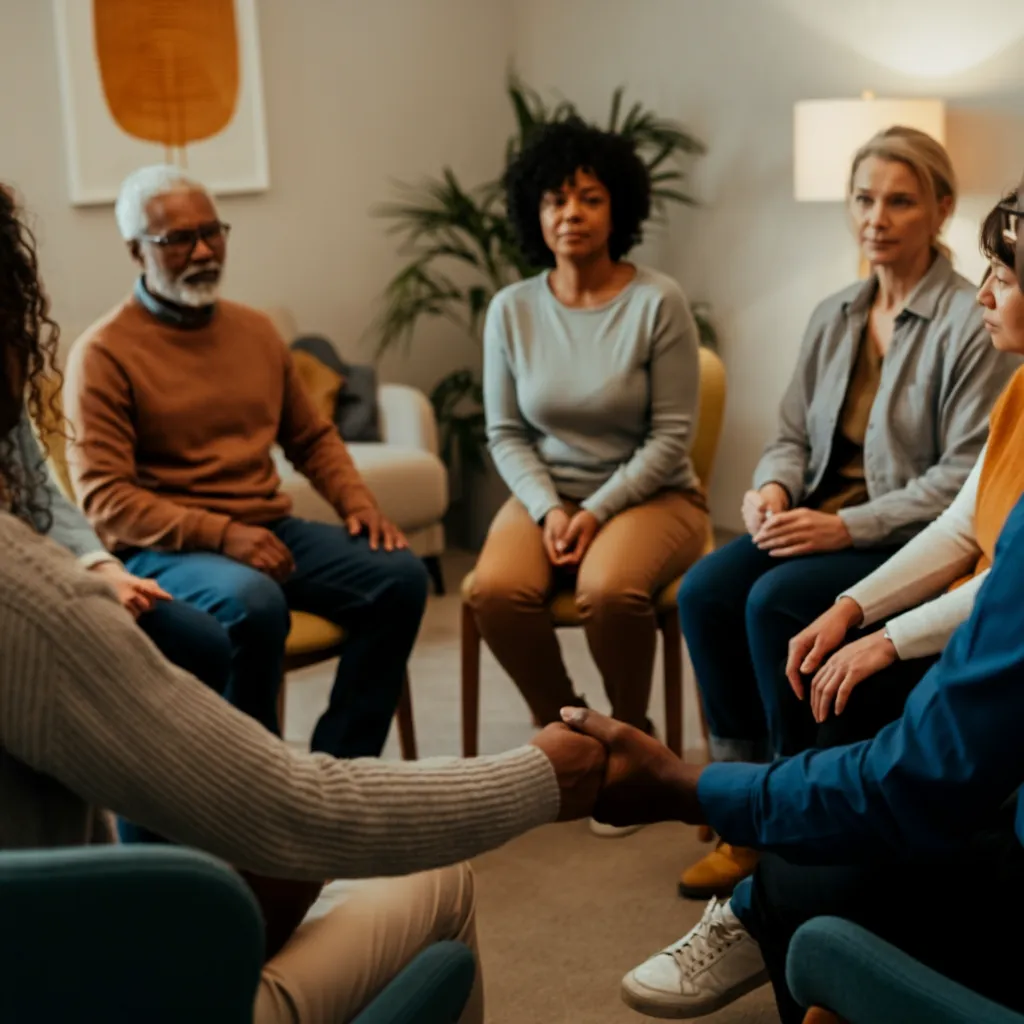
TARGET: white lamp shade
(827,133)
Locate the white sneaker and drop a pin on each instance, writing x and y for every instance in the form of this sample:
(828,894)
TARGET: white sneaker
(708,968)
(599,828)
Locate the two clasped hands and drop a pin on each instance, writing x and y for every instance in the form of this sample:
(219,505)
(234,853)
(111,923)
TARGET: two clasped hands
(616,773)
(785,532)
(568,538)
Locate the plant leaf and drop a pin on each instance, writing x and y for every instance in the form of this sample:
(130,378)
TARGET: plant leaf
(613,119)
(666,176)
(670,194)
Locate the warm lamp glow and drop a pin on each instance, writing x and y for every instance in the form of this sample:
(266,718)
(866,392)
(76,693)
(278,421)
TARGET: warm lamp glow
(827,133)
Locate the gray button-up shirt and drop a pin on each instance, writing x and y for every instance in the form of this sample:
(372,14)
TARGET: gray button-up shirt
(940,378)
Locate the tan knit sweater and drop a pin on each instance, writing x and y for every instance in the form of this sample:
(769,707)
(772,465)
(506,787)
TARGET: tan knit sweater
(92,716)
(172,429)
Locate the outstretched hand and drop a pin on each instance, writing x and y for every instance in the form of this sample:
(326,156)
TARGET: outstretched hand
(136,595)
(644,781)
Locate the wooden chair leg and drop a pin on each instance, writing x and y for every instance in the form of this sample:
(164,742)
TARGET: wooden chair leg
(704,832)
(280,702)
(406,728)
(672,653)
(470,682)
(433,564)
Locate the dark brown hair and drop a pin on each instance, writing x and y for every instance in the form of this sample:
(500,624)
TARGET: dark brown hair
(28,346)
(994,244)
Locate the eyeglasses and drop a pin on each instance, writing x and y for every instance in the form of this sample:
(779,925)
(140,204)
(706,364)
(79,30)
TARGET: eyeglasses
(1011,220)
(184,242)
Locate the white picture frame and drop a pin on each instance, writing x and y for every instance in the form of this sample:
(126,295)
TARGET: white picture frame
(100,154)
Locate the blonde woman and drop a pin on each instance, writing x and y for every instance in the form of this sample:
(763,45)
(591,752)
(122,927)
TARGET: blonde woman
(885,415)
(934,579)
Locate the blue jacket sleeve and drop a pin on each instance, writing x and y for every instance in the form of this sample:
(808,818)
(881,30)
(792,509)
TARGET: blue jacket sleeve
(927,780)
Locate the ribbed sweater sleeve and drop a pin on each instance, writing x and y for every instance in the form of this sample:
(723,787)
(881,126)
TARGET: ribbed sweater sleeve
(87,700)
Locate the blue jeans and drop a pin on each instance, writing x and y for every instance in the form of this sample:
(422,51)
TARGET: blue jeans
(739,608)
(377,596)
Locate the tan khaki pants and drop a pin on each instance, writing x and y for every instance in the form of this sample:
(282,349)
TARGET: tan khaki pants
(333,966)
(633,556)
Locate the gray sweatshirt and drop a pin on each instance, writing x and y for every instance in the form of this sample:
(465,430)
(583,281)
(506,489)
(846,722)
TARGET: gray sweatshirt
(598,405)
(92,716)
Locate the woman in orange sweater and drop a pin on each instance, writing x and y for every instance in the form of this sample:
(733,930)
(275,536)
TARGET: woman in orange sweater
(935,576)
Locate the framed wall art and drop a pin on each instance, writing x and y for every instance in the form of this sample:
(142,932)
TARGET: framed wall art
(151,81)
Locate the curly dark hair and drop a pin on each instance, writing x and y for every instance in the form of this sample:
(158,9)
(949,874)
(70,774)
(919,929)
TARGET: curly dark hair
(552,156)
(994,243)
(28,347)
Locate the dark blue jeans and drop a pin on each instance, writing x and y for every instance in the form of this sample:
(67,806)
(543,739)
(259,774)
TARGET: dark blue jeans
(739,608)
(377,596)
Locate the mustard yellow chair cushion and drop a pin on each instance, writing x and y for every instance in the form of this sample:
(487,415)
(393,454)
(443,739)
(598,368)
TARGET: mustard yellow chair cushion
(310,633)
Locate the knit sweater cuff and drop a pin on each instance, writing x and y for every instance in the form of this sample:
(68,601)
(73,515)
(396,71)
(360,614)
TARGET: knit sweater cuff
(208,529)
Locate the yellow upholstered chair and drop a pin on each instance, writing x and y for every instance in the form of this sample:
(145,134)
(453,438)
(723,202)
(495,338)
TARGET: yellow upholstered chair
(311,639)
(564,611)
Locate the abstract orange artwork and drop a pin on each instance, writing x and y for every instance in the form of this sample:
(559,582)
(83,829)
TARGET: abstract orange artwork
(148,81)
(169,68)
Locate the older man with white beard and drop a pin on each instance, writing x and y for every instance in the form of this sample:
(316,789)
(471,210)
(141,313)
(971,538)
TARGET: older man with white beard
(176,398)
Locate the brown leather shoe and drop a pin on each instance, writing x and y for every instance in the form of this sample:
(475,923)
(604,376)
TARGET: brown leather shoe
(718,873)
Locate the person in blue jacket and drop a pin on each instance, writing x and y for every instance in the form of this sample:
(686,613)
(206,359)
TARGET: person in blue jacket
(917,834)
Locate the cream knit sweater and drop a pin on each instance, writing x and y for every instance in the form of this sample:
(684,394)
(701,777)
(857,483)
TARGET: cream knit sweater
(92,717)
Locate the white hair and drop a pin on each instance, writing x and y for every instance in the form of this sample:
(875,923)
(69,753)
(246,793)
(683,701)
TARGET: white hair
(144,185)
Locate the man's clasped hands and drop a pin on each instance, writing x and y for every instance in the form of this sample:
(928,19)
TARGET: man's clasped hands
(616,773)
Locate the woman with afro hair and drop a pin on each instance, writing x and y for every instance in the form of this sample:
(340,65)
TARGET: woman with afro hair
(590,388)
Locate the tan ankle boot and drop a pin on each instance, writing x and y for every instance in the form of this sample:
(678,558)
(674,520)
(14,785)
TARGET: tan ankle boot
(718,873)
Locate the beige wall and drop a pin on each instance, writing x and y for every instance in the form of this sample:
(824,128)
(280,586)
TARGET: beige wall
(359,93)
(356,94)
(731,70)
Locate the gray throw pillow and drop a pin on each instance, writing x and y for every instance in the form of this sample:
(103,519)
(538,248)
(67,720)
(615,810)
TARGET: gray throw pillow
(356,415)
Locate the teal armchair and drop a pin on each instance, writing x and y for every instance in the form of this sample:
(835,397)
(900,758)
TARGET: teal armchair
(164,934)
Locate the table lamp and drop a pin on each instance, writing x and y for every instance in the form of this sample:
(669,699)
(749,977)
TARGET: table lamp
(827,134)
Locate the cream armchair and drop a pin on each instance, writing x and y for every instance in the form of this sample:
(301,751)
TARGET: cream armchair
(403,470)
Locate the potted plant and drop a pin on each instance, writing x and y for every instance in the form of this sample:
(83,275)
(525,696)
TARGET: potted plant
(461,251)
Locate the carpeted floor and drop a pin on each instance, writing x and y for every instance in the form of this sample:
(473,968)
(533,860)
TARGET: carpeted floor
(563,914)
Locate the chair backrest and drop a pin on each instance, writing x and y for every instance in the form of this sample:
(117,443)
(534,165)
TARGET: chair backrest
(125,934)
(712,411)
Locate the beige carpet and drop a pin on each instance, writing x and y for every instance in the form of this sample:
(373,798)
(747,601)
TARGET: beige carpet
(563,914)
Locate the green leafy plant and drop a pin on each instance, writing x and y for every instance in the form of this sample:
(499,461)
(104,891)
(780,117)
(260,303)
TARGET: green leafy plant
(462,250)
